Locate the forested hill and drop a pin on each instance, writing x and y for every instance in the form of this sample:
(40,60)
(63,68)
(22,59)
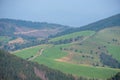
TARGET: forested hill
(96,26)
(14,68)
(12,27)
(30,24)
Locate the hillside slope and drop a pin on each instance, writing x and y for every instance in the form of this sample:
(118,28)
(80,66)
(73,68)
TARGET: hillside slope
(92,52)
(14,68)
(95,26)
(14,27)
(96,48)
(18,34)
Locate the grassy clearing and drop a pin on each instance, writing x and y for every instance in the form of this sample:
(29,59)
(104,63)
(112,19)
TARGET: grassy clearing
(73,35)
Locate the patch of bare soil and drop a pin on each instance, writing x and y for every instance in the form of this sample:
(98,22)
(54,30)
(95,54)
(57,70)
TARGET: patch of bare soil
(40,74)
(18,40)
(36,32)
(66,58)
(26,32)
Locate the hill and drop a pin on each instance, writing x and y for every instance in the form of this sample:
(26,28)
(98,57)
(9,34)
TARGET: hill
(92,52)
(16,34)
(50,57)
(29,28)
(95,26)
(91,49)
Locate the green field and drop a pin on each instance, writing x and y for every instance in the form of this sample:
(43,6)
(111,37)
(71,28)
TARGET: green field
(78,70)
(73,35)
(54,52)
(28,52)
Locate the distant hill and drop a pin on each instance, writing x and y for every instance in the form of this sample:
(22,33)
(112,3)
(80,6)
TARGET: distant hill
(96,26)
(14,68)
(17,34)
(12,27)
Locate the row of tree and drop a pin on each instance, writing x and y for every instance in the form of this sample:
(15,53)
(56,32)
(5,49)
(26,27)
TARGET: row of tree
(65,41)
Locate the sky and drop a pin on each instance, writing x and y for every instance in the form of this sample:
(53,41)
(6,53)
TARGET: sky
(74,13)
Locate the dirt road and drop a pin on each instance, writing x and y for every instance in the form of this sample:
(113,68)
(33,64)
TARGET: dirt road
(36,55)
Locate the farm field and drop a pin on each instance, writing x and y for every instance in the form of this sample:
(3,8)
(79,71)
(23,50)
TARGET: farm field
(73,35)
(28,52)
(78,70)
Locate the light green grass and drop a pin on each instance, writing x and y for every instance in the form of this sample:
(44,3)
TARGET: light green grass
(78,70)
(73,35)
(114,51)
(28,52)
(54,52)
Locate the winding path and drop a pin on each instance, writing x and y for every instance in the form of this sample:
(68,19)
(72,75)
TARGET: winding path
(36,55)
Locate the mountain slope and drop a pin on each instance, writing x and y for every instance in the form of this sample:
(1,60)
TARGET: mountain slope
(29,28)
(92,48)
(18,34)
(14,68)
(96,26)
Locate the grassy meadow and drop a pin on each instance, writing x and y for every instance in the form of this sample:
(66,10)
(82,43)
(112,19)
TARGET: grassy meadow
(73,35)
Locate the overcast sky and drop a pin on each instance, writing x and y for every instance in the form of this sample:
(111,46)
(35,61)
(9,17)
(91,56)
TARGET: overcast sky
(67,12)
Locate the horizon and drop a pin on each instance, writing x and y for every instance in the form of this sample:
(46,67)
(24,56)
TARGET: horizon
(61,24)
(71,13)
